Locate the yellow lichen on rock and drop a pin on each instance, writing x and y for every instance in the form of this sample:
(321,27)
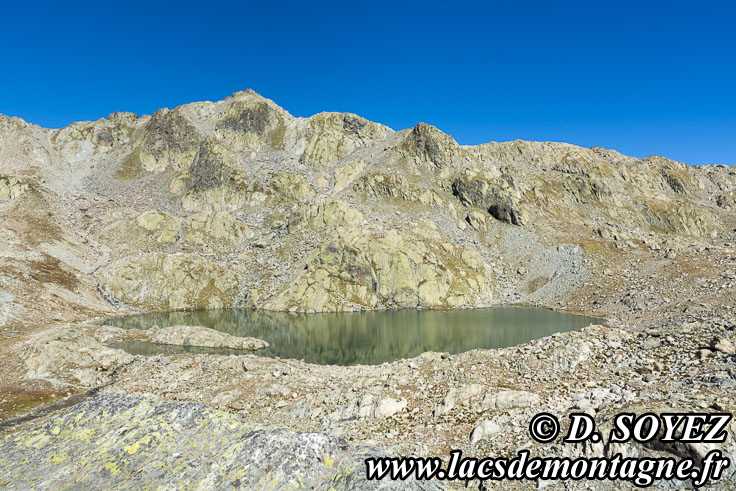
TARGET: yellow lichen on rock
(346,174)
(293,186)
(359,270)
(333,136)
(216,229)
(11,187)
(162,225)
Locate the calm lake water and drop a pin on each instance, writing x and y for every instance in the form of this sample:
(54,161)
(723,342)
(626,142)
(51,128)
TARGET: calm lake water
(368,338)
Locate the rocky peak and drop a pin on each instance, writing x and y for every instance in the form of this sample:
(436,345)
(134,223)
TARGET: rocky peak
(430,146)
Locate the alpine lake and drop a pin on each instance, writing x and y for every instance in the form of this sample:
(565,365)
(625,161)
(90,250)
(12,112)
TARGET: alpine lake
(360,338)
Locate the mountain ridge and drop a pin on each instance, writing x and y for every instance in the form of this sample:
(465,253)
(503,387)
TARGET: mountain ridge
(251,93)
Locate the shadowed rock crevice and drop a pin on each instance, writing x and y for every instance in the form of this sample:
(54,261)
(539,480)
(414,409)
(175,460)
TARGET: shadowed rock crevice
(497,197)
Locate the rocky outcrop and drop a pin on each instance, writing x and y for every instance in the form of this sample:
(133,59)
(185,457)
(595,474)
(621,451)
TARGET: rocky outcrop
(213,181)
(218,230)
(292,186)
(433,148)
(251,122)
(164,227)
(385,185)
(11,187)
(162,281)
(497,197)
(205,337)
(508,399)
(168,140)
(112,441)
(64,355)
(331,137)
(346,174)
(353,270)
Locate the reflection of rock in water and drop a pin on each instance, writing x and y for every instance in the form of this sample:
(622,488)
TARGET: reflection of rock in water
(369,337)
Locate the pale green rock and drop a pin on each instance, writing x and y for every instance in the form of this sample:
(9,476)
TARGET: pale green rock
(346,174)
(65,355)
(359,270)
(169,140)
(333,136)
(293,186)
(477,220)
(206,337)
(252,122)
(432,148)
(11,187)
(497,197)
(216,229)
(169,281)
(162,225)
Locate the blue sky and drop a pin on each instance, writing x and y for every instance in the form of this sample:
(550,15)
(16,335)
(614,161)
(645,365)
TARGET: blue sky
(641,77)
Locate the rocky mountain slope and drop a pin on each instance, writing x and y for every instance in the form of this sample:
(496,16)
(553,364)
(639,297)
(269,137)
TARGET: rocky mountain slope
(239,204)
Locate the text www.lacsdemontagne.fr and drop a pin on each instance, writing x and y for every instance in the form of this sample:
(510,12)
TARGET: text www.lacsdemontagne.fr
(639,471)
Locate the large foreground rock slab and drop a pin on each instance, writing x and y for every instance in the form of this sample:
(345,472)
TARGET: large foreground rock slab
(131,442)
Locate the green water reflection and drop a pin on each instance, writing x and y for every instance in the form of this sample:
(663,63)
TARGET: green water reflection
(363,337)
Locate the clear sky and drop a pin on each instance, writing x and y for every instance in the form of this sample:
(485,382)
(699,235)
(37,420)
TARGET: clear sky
(641,77)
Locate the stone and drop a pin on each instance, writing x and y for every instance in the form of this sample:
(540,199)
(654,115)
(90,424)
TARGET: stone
(345,175)
(65,355)
(457,396)
(169,281)
(113,440)
(219,229)
(477,220)
(509,399)
(162,225)
(433,148)
(226,398)
(484,430)
(388,407)
(361,270)
(497,197)
(366,406)
(205,337)
(719,343)
(292,185)
(11,187)
(330,137)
